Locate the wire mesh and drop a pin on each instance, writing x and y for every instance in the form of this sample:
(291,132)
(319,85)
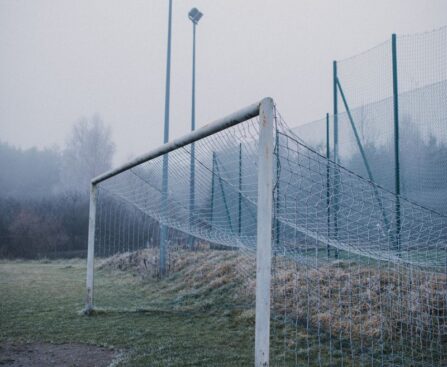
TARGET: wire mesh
(345,290)
(367,82)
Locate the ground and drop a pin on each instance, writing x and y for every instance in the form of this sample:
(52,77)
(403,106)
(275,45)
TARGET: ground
(47,354)
(41,304)
(201,314)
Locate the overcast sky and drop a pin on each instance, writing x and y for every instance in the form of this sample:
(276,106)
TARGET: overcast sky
(60,60)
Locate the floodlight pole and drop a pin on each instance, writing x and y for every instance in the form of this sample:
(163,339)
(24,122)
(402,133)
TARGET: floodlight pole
(396,141)
(193,127)
(164,203)
(193,98)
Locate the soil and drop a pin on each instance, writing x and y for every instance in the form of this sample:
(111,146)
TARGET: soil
(60,355)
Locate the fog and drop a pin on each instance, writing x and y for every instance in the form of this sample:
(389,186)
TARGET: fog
(61,60)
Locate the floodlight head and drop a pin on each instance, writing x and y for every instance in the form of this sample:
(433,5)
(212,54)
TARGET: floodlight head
(195,15)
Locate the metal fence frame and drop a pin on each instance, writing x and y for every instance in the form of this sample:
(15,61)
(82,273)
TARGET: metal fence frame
(337,87)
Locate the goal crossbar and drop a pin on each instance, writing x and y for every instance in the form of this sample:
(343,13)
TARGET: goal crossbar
(235,118)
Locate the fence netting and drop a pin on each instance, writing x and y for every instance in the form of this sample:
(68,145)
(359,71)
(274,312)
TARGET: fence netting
(347,288)
(367,82)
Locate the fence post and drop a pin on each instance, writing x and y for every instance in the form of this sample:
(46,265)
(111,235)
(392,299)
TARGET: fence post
(264,233)
(336,157)
(192,193)
(335,92)
(239,227)
(224,198)
(164,209)
(363,154)
(212,188)
(328,183)
(278,169)
(396,140)
(91,249)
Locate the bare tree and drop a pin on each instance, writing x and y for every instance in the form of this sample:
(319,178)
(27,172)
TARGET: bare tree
(89,151)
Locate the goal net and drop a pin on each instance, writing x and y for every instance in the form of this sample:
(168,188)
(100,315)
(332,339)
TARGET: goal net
(241,217)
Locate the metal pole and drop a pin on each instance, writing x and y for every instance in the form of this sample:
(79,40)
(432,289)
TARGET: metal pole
(193,101)
(168,76)
(328,183)
(163,228)
(212,188)
(193,127)
(264,234)
(278,168)
(207,130)
(396,139)
(224,198)
(239,227)
(336,157)
(356,135)
(363,154)
(91,249)
(335,91)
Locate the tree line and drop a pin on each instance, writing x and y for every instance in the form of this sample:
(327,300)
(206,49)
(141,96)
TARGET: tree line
(44,192)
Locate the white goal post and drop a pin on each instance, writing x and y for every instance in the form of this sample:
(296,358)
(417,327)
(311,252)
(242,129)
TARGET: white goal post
(265,110)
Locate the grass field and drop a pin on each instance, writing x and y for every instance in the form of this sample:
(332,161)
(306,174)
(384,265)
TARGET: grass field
(41,302)
(201,314)
(177,321)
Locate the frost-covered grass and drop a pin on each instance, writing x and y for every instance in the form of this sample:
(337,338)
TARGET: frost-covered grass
(202,312)
(41,301)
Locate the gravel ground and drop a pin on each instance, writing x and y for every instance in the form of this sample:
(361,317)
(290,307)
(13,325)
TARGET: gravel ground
(48,355)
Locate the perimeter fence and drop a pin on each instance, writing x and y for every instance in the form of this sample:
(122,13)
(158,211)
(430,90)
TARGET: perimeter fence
(389,122)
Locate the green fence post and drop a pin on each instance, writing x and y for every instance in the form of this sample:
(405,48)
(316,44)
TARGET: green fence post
(239,226)
(222,190)
(192,193)
(278,169)
(328,183)
(335,92)
(336,157)
(212,188)
(396,141)
(363,154)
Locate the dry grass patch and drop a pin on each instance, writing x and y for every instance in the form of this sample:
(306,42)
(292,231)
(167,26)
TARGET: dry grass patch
(363,303)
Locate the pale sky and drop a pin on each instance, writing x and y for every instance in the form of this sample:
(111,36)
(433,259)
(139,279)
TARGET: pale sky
(61,59)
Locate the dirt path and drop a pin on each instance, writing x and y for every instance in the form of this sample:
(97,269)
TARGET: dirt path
(60,355)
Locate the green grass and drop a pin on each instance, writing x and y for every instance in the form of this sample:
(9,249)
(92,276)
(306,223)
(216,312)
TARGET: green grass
(153,322)
(42,302)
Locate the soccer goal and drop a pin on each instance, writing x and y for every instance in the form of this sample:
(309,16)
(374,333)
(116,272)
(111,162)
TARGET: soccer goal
(157,185)
(241,218)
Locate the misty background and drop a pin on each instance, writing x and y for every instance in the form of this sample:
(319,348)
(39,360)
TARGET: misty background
(82,87)
(61,60)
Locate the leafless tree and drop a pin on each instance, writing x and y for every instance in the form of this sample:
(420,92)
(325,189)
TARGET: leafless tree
(89,151)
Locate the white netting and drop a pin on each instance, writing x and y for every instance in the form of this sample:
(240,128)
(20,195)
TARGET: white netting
(348,287)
